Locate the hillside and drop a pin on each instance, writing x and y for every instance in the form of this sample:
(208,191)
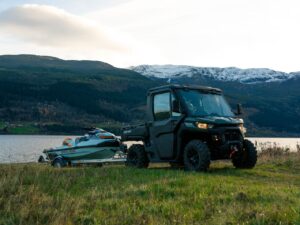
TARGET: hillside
(271,99)
(50,95)
(42,94)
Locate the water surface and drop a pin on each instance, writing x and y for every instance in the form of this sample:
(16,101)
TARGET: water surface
(27,148)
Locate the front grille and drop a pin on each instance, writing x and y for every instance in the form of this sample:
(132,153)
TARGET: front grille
(232,135)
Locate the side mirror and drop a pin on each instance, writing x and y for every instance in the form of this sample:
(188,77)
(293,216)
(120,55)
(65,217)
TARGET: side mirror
(239,109)
(175,106)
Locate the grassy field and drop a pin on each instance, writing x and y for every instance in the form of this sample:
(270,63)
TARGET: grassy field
(38,194)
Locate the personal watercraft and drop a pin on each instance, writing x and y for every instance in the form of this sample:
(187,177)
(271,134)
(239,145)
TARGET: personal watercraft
(97,146)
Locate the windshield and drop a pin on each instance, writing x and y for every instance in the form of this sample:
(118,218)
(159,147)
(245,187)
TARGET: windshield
(205,104)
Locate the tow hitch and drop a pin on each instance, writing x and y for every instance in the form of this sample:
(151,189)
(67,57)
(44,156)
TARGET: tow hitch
(233,150)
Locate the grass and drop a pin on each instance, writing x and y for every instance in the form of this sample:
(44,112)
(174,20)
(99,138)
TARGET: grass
(38,194)
(24,129)
(21,128)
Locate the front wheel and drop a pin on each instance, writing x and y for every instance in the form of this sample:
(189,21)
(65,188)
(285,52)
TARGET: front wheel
(137,157)
(245,159)
(196,156)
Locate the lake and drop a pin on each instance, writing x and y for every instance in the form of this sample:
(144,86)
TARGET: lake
(27,148)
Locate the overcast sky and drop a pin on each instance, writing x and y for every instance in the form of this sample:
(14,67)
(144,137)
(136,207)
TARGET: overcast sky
(220,33)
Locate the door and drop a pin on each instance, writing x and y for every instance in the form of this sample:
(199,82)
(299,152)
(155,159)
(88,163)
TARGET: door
(163,125)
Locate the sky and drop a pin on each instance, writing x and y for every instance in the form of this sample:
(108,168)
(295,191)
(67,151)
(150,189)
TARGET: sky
(217,33)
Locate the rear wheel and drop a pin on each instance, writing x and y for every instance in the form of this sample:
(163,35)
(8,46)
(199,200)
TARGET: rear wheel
(247,157)
(137,157)
(196,156)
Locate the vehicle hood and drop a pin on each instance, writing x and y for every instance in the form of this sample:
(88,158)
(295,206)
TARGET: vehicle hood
(216,120)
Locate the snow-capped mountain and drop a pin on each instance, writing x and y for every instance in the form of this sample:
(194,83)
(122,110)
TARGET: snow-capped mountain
(247,76)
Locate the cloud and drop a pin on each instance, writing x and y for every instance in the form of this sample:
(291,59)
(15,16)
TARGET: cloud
(249,33)
(48,26)
(48,30)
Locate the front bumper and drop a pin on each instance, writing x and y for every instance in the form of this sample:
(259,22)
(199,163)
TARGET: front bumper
(224,142)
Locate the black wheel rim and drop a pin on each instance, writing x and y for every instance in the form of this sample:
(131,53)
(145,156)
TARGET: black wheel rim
(193,158)
(243,155)
(132,158)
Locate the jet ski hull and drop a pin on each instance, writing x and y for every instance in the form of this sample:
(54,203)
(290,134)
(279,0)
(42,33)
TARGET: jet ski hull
(84,153)
(97,146)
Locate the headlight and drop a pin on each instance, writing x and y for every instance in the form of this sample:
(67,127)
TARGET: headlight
(202,125)
(242,128)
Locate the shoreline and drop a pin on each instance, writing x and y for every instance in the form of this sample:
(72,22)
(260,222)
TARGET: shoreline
(27,148)
(74,134)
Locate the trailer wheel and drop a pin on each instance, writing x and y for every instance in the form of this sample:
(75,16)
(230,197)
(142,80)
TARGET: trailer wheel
(246,159)
(41,159)
(99,164)
(59,163)
(137,157)
(196,156)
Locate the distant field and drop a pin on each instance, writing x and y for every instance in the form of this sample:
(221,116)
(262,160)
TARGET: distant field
(38,194)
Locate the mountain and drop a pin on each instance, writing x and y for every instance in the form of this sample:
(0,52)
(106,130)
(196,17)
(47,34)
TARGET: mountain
(246,76)
(51,95)
(43,94)
(271,99)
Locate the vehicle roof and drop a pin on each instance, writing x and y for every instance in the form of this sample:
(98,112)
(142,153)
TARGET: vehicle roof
(179,86)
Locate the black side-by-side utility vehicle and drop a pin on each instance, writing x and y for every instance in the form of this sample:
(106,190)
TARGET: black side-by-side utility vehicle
(189,126)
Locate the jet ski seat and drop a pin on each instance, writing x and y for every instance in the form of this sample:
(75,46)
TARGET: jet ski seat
(67,142)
